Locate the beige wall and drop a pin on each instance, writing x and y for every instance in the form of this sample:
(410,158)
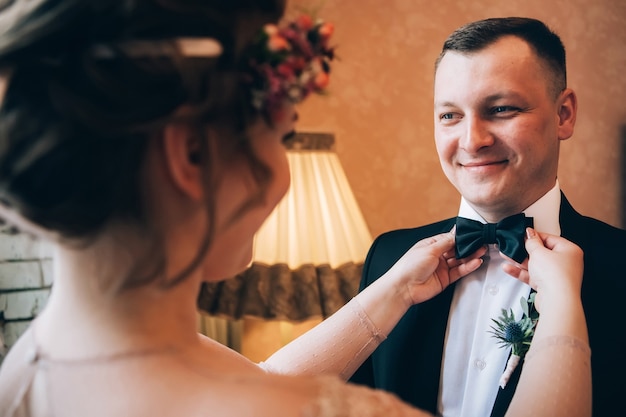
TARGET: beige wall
(380,103)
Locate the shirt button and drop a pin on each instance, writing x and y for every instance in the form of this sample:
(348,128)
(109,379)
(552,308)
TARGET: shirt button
(480,364)
(493,289)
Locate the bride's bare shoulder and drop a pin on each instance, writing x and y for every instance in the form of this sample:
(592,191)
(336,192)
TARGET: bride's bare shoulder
(261,393)
(320,396)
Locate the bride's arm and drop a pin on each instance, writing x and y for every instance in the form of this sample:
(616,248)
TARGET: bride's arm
(342,342)
(556,378)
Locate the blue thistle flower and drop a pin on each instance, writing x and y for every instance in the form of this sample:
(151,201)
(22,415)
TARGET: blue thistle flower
(513,332)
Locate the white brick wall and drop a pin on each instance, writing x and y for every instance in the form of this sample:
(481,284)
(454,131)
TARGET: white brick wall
(25,281)
(16,275)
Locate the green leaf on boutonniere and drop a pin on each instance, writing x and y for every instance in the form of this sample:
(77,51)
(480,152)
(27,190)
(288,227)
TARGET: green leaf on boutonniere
(528,307)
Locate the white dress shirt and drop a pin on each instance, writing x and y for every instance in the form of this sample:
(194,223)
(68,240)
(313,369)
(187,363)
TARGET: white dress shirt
(473,361)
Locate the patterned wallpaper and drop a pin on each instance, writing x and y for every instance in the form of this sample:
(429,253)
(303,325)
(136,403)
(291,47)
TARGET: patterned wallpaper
(380,102)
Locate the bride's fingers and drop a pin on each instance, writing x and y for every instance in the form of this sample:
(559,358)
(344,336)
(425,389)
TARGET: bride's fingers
(464,268)
(453,262)
(523,265)
(441,240)
(517,270)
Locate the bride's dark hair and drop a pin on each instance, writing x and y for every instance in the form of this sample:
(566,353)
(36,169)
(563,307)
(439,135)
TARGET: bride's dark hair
(79,110)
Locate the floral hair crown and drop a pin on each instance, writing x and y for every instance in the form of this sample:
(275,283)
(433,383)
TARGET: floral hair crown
(288,63)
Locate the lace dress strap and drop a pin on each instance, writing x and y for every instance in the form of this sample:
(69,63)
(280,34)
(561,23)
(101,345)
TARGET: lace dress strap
(21,373)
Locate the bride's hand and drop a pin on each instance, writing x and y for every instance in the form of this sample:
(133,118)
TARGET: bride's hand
(554,267)
(429,266)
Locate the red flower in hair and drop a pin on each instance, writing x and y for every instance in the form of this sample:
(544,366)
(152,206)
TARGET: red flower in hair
(304,21)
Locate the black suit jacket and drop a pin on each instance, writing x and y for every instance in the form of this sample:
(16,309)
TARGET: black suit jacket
(408,363)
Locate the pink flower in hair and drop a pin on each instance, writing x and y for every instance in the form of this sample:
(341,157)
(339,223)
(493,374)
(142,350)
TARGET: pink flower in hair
(277,43)
(270,29)
(326,30)
(321,80)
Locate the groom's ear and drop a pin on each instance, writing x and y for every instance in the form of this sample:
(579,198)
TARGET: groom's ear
(182,154)
(567,106)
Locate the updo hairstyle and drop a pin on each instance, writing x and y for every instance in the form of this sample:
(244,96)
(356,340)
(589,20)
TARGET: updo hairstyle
(79,110)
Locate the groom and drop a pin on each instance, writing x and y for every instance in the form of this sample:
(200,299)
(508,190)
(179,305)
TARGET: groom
(502,108)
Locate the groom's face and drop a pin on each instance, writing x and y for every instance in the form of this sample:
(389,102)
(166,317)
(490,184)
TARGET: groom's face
(496,126)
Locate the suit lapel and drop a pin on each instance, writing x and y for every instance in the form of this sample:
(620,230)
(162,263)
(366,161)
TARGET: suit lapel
(415,346)
(572,228)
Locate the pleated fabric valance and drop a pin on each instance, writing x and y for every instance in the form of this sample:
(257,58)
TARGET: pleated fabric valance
(276,292)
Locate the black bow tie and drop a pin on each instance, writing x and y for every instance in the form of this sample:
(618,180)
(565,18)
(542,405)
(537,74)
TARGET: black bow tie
(508,234)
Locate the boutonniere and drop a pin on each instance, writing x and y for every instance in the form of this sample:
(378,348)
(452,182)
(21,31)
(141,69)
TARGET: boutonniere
(516,334)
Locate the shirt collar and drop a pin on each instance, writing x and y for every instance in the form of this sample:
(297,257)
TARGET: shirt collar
(545,211)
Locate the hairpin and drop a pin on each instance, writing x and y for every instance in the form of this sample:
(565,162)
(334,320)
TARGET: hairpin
(289,62)
(188,47)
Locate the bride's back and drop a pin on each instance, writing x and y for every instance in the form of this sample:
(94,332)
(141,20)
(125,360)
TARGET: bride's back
(150,383)
(209,382)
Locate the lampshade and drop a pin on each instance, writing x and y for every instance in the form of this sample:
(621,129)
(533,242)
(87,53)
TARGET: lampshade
(309,253)
(318,221)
